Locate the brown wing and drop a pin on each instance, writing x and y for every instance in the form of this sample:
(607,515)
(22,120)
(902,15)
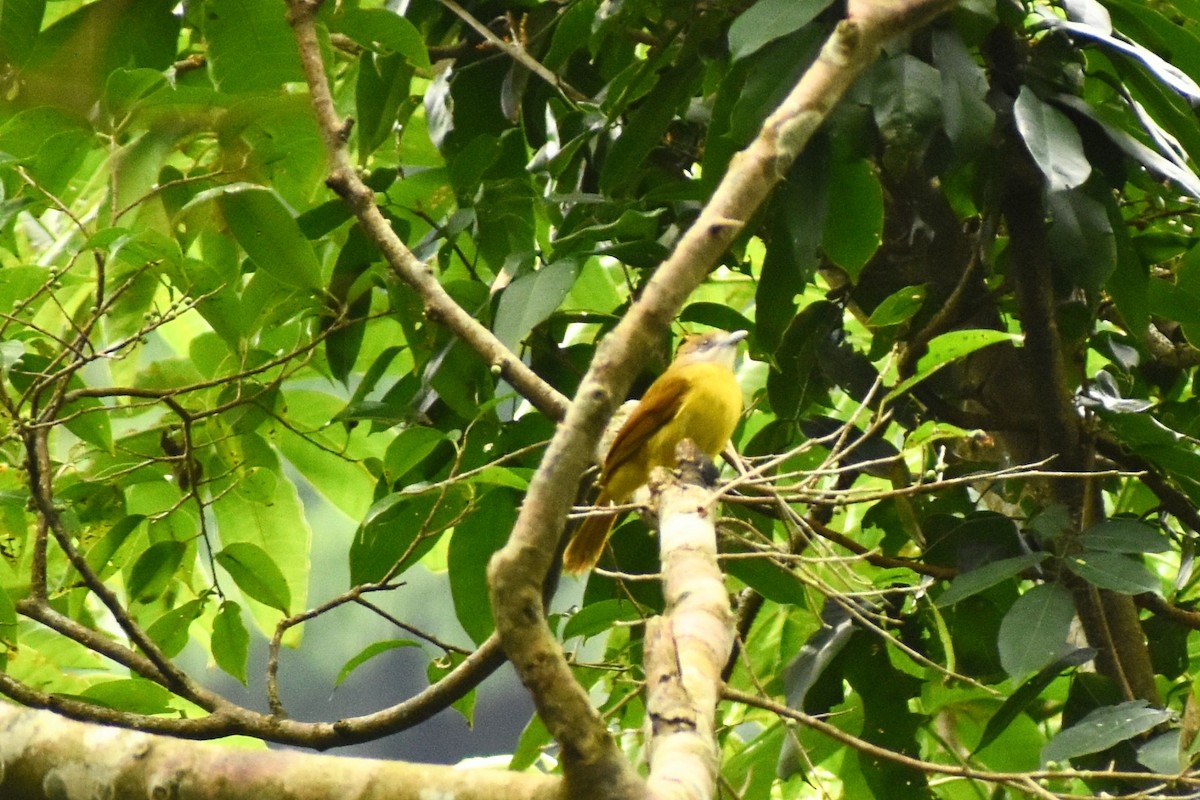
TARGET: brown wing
(658,406)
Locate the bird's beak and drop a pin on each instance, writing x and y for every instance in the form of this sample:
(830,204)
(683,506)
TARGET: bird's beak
(735,337)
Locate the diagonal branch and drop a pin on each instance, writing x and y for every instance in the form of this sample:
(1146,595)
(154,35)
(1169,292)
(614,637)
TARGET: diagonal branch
(344,179)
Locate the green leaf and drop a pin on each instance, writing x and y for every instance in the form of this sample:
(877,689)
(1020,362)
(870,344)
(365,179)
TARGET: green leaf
(20,21)
(1124,535)
(369,652)
(256,574)
(472,544)
(1161,754)
(383,99)
(440,668)
(381,30)
(328,456)
(768,20)
(530,745)
(231,641)
(1081,238)
(353,296)
(1114,571)
(967,117)
(898,307)
(987,576)
(1052,141)
(795,240)
(769,578)
(101,553)
(796,381)
(596,618)
(1027,693)
(531,299)
(8,627)
(170,631)
(277,525)
(851,239)
(1034,631)
(251,47)
(410,447)
(134,695)
(154,569)
(401,528)
(510,477)
(1102,729)
(907,103)
(646,126)
(945,349)
(267,230)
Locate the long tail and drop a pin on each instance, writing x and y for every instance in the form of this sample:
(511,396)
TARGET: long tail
(587,545)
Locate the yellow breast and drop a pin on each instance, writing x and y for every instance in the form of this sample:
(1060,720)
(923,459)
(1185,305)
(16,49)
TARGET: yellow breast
(708,413)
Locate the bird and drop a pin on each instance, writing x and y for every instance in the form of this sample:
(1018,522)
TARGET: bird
(697,398)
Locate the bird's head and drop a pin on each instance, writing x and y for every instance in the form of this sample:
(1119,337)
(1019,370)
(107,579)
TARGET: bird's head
(716,347)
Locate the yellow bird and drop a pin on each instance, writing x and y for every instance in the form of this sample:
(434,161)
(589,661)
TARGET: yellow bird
(697,398)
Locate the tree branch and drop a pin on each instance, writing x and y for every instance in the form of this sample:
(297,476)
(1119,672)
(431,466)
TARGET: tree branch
(43,754)
(687,647)
(345,181)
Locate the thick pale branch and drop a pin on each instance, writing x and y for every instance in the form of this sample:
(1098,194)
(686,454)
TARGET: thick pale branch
(43,756)
(519,569)
(687,647)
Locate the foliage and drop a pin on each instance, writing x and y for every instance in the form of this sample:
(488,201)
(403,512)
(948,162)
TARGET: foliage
(980,280)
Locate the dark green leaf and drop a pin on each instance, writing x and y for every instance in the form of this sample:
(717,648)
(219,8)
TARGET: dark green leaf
(1034,631)
(851,239)
(968,118)
(1124,535)
(768,20)
(987,576)
(1161,754)
(20,21)
(796,380)
(647,126)
(1029,691)
(1052,141)
(1082,238)
(154,569)
(1102,729)
(1114,571)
